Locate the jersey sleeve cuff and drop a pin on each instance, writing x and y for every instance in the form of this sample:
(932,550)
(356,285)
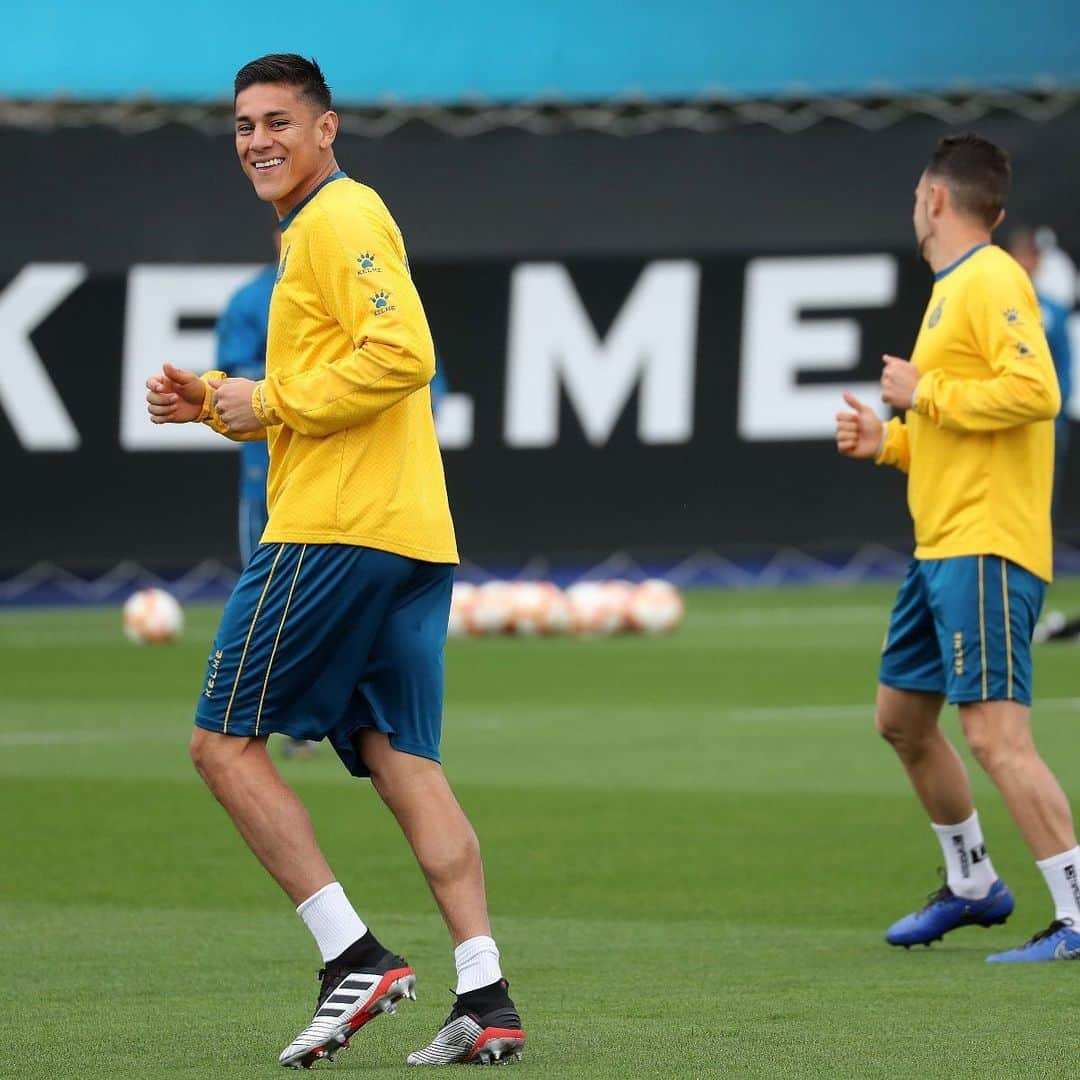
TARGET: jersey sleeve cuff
(258,403)
(920,398)
(208,395)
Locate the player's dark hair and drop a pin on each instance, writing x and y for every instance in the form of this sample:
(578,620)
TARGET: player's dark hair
(977,172)
(290,69)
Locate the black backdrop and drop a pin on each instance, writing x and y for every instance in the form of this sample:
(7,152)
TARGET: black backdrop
(472,210)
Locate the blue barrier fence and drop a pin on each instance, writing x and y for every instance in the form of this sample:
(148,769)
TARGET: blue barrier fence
(429,51)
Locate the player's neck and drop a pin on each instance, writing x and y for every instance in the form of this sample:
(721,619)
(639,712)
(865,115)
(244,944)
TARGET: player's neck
(302,191)
(954,245)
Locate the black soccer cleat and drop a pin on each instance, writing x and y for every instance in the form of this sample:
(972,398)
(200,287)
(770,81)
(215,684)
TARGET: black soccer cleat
(365,981)
(483,1028)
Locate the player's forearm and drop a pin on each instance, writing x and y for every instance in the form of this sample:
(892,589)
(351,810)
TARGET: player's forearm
(979,405)
(346,393)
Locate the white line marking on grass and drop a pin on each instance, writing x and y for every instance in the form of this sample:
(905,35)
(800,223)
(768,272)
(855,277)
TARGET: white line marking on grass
(812,615)
(465,718)
(10,739)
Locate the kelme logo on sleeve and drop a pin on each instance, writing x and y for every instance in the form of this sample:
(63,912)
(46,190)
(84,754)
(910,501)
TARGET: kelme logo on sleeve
(381,302)
(281,265)
(366,262)
(935,315)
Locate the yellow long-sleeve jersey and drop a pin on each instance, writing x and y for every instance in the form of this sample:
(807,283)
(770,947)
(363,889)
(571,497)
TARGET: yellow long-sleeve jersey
(345,402)
(978,444)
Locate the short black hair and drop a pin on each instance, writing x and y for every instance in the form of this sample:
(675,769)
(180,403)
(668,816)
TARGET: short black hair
(290,69)
(977,172)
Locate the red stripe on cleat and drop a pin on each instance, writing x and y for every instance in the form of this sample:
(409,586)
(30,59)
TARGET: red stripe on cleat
(364,1015)
(489,1035)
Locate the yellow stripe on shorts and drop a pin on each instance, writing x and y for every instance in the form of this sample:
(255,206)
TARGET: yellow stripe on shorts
(1008,629)
(982,628)
(247,640)
(281,626)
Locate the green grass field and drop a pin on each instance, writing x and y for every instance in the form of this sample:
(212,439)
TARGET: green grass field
(693,846)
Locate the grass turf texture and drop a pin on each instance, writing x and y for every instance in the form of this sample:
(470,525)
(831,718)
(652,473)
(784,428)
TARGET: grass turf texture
(693,847)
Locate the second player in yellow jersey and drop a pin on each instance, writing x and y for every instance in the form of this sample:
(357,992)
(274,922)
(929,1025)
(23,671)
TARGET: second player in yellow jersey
(978,442)
(979,397)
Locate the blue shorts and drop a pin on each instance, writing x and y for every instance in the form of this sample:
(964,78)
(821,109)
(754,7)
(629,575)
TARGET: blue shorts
(319,641)
(962,627)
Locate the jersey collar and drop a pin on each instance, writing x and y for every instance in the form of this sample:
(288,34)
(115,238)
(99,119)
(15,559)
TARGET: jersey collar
(941,273)
(290,217)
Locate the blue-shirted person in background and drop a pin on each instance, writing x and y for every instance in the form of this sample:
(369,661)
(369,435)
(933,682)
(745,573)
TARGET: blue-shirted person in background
(241,353)
(1055,316)
(1024,248)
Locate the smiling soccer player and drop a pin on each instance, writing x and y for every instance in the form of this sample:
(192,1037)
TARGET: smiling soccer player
(336,627)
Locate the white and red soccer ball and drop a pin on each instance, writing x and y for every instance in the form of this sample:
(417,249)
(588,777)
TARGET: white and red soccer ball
(590,608)
(152,617)
(656,607)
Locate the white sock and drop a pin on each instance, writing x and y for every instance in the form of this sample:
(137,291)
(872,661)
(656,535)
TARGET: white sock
(970,871)
(477,963)
(331,919)
(1062,873)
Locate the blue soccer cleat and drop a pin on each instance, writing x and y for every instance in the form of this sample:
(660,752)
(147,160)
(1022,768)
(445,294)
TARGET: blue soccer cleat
(946,911)
(1059,941)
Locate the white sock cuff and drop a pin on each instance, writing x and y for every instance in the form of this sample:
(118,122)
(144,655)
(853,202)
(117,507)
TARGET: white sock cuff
(469,950)
(332,920)
(1054,861)
(477,963)
(970,822)
(324,892)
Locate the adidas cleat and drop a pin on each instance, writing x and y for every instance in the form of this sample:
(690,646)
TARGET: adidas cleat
(353,992)
(483,1028)
(946,911)
(1059,941)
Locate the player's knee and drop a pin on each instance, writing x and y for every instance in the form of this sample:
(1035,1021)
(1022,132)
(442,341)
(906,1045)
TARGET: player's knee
(210,754)
(907,740)
(998,734)
(996,750)
(889,728)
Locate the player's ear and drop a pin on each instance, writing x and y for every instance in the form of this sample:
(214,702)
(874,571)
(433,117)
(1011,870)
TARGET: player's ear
(936,199)
(998,220)
(328,129)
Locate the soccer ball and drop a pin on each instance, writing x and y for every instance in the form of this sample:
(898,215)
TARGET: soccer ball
(152,616)
(656,607)
(493,609)
(540,608)
(595,608)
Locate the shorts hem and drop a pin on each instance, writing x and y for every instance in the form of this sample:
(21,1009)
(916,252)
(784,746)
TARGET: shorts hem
(975,699)
(918,688)
(217,727)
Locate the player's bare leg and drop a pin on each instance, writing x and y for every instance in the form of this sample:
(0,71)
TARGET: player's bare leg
(908,721)
(971,894)
(267,812)
(361,979)
(417,793)
(999,734)
(483,1025)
